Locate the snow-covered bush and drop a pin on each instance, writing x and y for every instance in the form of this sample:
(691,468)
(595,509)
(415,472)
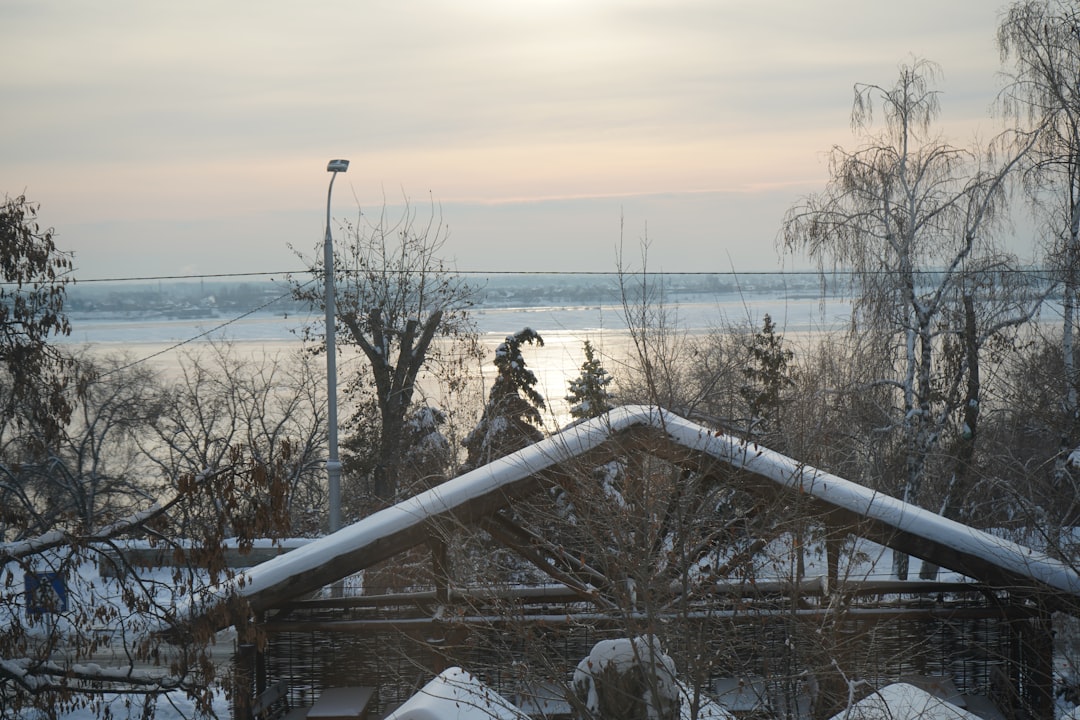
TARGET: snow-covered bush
(628,679)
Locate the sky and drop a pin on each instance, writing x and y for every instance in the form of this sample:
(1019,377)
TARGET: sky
(163,139)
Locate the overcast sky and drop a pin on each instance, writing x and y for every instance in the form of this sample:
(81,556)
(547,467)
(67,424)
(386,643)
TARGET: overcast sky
(173,138)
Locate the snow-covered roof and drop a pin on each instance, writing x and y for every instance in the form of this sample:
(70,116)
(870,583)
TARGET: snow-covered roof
(885,519)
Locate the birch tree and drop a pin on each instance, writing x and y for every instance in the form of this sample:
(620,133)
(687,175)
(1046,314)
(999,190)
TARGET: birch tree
(912,218)
(1040,40)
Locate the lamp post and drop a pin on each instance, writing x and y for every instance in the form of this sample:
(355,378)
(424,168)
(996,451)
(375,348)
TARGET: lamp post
(333,464)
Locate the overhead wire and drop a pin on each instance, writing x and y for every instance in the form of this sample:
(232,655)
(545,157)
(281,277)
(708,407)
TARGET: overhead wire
(557,273)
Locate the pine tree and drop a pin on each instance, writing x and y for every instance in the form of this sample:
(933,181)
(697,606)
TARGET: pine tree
(767,374)
(511,418)
(589,396)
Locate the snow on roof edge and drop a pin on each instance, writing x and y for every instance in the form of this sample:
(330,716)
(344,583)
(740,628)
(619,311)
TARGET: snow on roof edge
(875,505)
(588,435)
(446,496)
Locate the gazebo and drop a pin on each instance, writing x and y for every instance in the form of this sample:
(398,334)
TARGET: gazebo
(298,630)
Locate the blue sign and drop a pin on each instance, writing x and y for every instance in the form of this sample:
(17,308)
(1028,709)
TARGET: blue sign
(46,592)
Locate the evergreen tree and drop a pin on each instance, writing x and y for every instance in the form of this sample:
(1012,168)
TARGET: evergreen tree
(767,375)
(589,396)
(511,418)
(427,454)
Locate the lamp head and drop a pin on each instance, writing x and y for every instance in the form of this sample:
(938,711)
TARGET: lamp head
(337,166)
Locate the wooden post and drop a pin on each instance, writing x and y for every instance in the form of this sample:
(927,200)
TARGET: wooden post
(440,562)
(260,659)
(834,541)
(243,680)
(1039,665)
(250,671)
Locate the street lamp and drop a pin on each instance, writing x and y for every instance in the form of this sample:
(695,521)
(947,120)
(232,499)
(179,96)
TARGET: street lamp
(333,464)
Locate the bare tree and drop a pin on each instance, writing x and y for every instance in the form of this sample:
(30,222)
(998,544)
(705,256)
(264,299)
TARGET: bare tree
(71,639)
(1041,41)
(407,311)
(90,470)
(658,361)
(228,453)
(912,217)
(684,559)
(732,375)
(273,407)
(1023,486)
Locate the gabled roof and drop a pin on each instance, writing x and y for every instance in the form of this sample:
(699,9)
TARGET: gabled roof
(884,519)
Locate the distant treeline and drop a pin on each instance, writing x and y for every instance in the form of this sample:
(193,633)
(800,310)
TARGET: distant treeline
(501,290)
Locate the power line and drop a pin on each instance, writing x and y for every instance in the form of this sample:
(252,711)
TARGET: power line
(557,273)
(147,278)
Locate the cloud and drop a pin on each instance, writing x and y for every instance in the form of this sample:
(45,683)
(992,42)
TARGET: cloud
(223,114)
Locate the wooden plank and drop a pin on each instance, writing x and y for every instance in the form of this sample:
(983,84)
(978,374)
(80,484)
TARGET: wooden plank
(740,694)
(265,702)
(342,703)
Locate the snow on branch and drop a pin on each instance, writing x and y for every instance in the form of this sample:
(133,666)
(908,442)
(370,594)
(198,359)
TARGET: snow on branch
(36,677)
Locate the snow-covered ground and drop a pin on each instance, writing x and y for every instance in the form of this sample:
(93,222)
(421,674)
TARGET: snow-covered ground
(86,588)
(175,706)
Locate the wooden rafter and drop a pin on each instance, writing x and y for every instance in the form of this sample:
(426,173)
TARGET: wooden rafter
(562,568)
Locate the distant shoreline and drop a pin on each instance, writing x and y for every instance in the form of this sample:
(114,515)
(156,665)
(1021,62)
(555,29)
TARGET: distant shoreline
(699,315)
(162,343)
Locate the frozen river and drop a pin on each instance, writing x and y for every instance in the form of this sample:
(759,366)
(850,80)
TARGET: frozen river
(161,342)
